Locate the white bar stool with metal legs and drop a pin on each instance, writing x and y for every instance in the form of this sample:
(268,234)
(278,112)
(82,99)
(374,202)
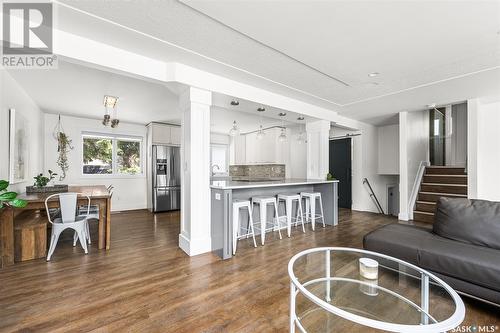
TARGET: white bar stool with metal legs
(310,198)
(237,205)
(289,199)
(263,202)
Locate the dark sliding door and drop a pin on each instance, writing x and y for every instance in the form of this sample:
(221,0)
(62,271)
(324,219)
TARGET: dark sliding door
(340,168)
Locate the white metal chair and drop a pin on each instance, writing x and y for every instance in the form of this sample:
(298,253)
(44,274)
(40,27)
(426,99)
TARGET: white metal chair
(68,220)
(237,205)
(289,199)
(92,213)
(310,198)
(263,201)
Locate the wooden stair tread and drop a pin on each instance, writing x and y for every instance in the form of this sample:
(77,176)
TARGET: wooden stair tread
(426,202)
(445,194)
(444,175)
(421,212)
(441,184)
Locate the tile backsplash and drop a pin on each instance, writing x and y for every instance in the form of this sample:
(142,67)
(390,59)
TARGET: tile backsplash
(272,171)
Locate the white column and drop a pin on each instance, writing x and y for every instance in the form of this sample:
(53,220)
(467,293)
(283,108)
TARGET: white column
(403,167)
(317,149)
(195,238)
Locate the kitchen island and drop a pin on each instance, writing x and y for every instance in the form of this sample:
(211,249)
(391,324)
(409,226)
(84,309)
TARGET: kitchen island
(224,192)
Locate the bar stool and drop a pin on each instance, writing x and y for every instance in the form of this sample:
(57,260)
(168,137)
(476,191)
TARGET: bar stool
(237,205)
(310,198)
(263,202)
(289,199)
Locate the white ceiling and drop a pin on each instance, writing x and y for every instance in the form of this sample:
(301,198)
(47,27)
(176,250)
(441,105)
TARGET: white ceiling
(425,51)
(78,90)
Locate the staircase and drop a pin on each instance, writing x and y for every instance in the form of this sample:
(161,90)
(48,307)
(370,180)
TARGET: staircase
(438,181)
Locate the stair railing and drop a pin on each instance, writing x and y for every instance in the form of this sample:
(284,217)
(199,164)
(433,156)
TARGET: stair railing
(416,187)
(373,196)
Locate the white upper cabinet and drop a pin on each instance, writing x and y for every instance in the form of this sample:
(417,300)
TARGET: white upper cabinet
(163,134)
(175,135)
(265,150)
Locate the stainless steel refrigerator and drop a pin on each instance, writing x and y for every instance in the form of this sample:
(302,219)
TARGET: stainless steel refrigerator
(166,178)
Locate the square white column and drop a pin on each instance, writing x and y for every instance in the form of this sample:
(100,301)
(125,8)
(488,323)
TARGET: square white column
(195,237)
(318,133)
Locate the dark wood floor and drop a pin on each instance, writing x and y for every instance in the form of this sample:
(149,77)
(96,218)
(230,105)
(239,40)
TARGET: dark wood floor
(145,283)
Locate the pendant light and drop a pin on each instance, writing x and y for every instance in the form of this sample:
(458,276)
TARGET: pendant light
(261,133)
(234,131)
(110,103)
(301,137)
(282,136)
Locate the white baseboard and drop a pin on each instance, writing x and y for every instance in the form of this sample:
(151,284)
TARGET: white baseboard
(403,217)
(193,247)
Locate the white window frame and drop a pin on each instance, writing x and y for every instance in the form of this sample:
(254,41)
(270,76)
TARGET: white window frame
(226,147)
(114,157)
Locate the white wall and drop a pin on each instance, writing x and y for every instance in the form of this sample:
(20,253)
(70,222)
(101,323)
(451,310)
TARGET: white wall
(388,150)
(484,152)
(13,96)
(129,191)
(413,149)
(365,165)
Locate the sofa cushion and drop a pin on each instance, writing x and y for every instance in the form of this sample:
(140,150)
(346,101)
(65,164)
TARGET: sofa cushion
(397,240)
(469,221)
(476,264)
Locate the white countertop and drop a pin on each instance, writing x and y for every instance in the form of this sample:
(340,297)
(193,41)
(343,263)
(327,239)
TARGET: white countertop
(230,184)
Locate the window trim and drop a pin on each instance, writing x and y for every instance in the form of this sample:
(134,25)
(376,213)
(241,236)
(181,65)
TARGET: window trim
(219,174)
(114,170)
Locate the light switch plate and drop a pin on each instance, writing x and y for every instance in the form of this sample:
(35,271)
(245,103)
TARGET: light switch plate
(217,196)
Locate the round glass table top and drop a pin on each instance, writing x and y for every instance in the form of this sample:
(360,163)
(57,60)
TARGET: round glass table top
(334,289)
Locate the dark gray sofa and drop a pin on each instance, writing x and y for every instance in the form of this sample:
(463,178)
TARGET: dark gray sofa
(462,248)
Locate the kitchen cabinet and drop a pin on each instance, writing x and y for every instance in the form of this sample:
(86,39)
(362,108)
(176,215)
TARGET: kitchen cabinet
(164,134)
(267,149)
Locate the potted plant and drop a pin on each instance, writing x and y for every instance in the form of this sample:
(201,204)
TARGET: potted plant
(41,183)
(9,198)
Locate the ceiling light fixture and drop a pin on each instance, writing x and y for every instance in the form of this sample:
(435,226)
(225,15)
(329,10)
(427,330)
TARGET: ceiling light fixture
(261,109)
(373,74)
(110,102)
(261,133)
(234,131)
(235,102)
(301,138)
(282,136)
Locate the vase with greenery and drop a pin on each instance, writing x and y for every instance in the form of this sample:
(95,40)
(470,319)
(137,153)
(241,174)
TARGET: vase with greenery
(63,148)
(42,181)
(9,198)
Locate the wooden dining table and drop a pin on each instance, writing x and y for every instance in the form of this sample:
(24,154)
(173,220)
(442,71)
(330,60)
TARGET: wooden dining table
(98,194)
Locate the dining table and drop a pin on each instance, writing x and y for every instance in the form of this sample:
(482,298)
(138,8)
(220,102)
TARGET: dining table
(98,194)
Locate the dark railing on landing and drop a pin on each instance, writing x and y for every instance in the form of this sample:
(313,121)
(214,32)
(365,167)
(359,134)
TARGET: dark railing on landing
(373,196)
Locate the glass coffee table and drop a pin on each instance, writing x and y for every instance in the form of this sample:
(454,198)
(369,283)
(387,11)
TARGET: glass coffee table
(335,289)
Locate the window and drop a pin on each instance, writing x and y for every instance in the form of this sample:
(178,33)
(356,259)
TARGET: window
(219,159)
(111,155)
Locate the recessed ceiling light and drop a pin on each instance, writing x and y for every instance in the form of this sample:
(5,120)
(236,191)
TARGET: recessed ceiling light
(261,109)
(373,74)
(235,102)
(300,118)
(282,114)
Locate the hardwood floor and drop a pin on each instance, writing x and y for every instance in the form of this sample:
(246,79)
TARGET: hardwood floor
(145,283)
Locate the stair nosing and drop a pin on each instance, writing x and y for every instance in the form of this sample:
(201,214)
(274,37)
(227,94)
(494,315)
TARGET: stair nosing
(445,184)
(426,202)
(421,212)
(444,194)
(444,175)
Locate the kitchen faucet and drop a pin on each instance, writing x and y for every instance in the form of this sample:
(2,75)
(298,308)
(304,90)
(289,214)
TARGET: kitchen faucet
(218,168)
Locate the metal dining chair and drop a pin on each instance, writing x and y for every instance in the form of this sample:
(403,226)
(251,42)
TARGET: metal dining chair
(69,219)
(92,213)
